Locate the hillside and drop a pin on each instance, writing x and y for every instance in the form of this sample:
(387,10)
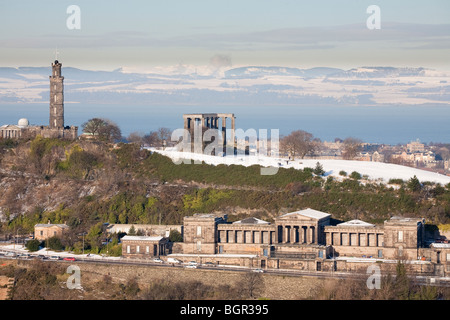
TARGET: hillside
(86,183)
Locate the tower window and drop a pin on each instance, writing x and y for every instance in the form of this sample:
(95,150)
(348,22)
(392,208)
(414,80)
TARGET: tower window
(54,97)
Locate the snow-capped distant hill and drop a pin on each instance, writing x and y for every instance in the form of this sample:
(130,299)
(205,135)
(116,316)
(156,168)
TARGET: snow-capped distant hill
(248,85)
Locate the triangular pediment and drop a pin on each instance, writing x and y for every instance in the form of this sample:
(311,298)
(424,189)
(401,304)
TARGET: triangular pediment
(304,215)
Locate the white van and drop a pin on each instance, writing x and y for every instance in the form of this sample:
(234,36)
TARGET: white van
(173,260)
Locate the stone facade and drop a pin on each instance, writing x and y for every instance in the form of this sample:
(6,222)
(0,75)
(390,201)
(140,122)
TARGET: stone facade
(306,240)
(45,231)
(144,247)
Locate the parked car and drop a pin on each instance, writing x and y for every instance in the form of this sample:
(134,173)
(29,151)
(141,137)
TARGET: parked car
(209,264)
(192,263)
(191,266)
(10,254)
(173,260)
(258,270)
(41,257)
(158,260)
(69,259)
(24,256)
(54,258)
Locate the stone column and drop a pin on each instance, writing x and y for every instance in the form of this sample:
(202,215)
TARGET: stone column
(233,128)
(292,236)
(224,134)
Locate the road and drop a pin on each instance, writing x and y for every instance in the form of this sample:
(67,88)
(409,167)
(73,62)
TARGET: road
(420,280)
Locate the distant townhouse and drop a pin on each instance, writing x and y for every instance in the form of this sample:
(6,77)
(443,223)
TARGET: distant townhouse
(48,230)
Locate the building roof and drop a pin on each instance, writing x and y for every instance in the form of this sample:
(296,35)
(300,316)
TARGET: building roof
(48,225)
(251,220)
(142,238)
(311,213)
(441,245)
(356,223)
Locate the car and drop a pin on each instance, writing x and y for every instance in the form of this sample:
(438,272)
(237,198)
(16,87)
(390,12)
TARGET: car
(24,256)
(69,259)
(209,264)
(158,260)
(173,260)
(10,254)
(41,257)
(191,266)
(258,270)
(54,258)
(192,263)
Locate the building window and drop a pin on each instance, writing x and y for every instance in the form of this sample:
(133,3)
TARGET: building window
(199,231)
(199,246)
(42,233)
(448,257)
(320,254)
(380,253)
(220,249)
(265,252)
(128,249)
(137,249)
(400,236)
(147,249)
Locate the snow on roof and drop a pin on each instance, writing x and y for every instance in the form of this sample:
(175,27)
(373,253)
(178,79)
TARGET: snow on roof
(142,238)
(48,225)
(441,245)
(356,223)
(251,220)
(311,213)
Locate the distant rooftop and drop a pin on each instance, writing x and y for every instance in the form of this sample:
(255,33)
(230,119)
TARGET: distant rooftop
(48,225)
(311,213)
(356,223)
(251,220)
(142,238)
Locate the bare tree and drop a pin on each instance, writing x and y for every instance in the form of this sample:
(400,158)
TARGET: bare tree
(159,138)
(352,146)
(251,284)
(151,139)
(102,129)
(136,137)
(298,143)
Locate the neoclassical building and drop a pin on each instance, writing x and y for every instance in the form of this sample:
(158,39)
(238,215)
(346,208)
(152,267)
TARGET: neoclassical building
(307,240)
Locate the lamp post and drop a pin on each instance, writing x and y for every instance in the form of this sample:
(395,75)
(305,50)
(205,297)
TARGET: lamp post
(83,234)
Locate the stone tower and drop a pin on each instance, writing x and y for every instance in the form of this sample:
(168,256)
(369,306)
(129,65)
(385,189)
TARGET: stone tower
(56,97)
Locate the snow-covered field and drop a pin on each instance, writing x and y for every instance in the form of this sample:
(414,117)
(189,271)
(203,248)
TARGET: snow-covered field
(376,171)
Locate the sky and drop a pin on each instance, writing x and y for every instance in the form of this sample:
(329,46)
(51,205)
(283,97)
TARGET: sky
(141,35)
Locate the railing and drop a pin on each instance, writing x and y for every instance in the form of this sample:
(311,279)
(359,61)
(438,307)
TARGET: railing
(304,256)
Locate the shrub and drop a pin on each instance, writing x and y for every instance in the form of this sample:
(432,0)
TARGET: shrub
(33,245)
(355,175)
(175,236)
(396,181)
(343,173)
(54,243)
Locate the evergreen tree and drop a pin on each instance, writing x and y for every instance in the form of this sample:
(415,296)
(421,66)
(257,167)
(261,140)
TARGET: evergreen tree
(132,231)
(318,170)
(414,184)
